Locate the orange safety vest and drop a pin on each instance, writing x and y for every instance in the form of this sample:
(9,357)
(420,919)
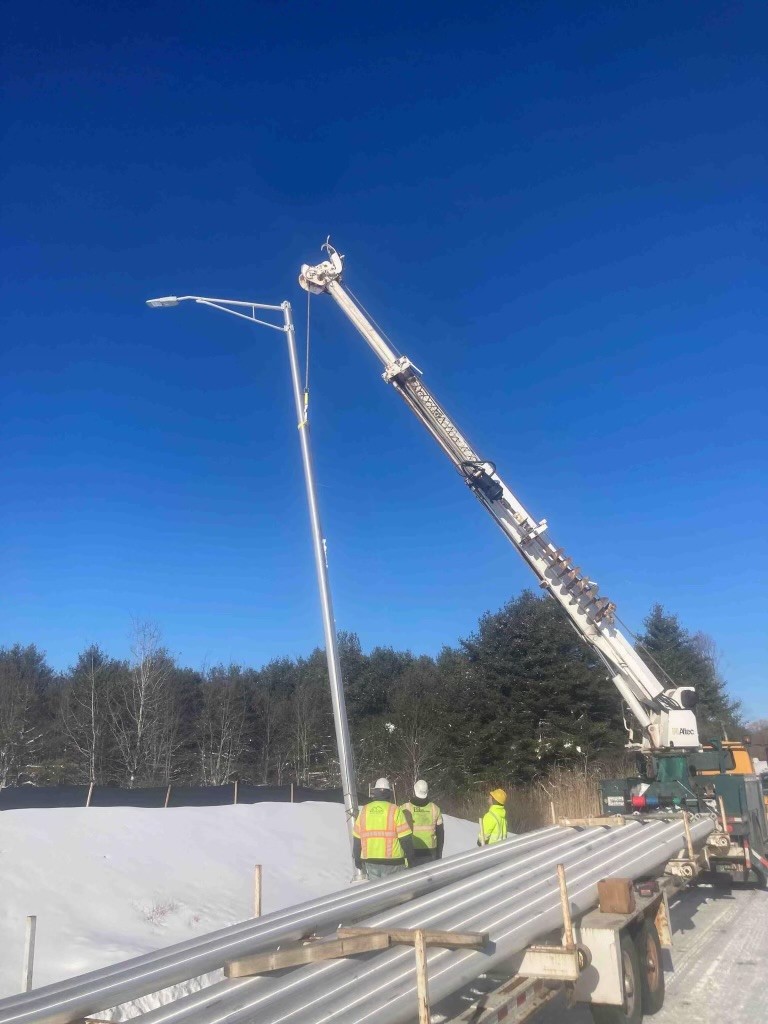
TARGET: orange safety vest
(424,821)
(380,826)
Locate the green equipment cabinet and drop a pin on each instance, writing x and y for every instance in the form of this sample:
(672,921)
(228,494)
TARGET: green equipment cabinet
(702,781)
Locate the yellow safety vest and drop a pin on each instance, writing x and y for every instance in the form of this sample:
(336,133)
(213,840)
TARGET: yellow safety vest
(424,821)
(494,824)
(380,826)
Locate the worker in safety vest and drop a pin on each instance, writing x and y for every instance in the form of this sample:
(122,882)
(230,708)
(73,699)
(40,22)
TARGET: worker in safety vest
(383,840)
(426,820)
(494,823)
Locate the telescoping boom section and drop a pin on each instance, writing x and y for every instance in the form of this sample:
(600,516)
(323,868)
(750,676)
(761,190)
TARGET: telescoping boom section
(664,713)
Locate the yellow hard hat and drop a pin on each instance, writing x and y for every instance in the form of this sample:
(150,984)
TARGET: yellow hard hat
(499,796)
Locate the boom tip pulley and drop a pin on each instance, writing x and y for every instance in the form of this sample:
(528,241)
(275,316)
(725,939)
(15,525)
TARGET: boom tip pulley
(316,279)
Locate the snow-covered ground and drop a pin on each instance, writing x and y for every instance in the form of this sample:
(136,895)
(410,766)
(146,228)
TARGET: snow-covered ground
(108,883)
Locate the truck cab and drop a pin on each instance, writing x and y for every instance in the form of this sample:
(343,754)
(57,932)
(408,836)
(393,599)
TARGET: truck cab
(738,753)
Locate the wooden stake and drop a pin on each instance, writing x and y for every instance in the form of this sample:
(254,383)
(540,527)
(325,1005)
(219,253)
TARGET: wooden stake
(90,794)
(29,953)
(235,800)
(167,797)
(688,839)
(422,986)
(291,792)
(566,906)
(482,833)
(552,811)
(257,890)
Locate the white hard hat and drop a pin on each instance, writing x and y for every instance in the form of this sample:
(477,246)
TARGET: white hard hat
(383,784)
(421,789)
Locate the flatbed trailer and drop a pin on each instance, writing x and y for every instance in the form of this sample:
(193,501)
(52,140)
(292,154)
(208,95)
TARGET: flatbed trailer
(615,965)
(607,957)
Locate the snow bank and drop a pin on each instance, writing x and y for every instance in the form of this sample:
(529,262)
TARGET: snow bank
(108,883)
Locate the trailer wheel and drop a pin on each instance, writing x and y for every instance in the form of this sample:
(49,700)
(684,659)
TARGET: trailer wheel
(632,1010)
(651,968)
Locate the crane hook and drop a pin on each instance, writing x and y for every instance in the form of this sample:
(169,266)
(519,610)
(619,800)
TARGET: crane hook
(330,249)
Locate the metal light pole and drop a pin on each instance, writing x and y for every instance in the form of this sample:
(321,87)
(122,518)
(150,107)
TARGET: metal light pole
(343,743)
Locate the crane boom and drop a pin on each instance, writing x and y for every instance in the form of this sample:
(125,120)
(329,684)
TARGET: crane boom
(664,713)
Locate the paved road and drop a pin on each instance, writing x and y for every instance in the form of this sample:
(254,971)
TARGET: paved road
(719,968)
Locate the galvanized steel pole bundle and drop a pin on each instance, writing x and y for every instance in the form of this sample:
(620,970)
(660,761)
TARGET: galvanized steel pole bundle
(517,904)
(509,890)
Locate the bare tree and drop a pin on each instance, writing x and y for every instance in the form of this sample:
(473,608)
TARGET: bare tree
(415,739)
(24,677)
(166,739)
(84,710)
(304,707)
(270,718)
(220,727)
(310,721)
(142,710)
(268,712)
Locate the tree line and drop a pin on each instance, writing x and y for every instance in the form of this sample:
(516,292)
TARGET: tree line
(517,697)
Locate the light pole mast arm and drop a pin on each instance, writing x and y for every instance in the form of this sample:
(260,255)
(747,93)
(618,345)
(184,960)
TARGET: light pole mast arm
(663,713)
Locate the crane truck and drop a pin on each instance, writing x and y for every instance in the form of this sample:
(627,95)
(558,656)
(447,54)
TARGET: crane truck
(679,773)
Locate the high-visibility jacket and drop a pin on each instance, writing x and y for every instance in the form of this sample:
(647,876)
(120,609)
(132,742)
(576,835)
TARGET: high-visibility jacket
(494,825)
(424,821)
(380,826)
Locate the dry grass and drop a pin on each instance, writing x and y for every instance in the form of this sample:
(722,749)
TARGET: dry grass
(156,912)
(574,792)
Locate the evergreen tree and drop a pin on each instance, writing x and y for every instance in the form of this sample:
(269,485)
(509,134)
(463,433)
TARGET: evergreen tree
(690,660)
(535,693)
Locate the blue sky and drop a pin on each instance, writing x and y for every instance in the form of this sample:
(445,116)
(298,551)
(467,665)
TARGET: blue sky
(553,208)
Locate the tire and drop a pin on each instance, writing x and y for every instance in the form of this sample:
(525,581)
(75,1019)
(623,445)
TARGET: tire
(651,967)
(632,1010)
